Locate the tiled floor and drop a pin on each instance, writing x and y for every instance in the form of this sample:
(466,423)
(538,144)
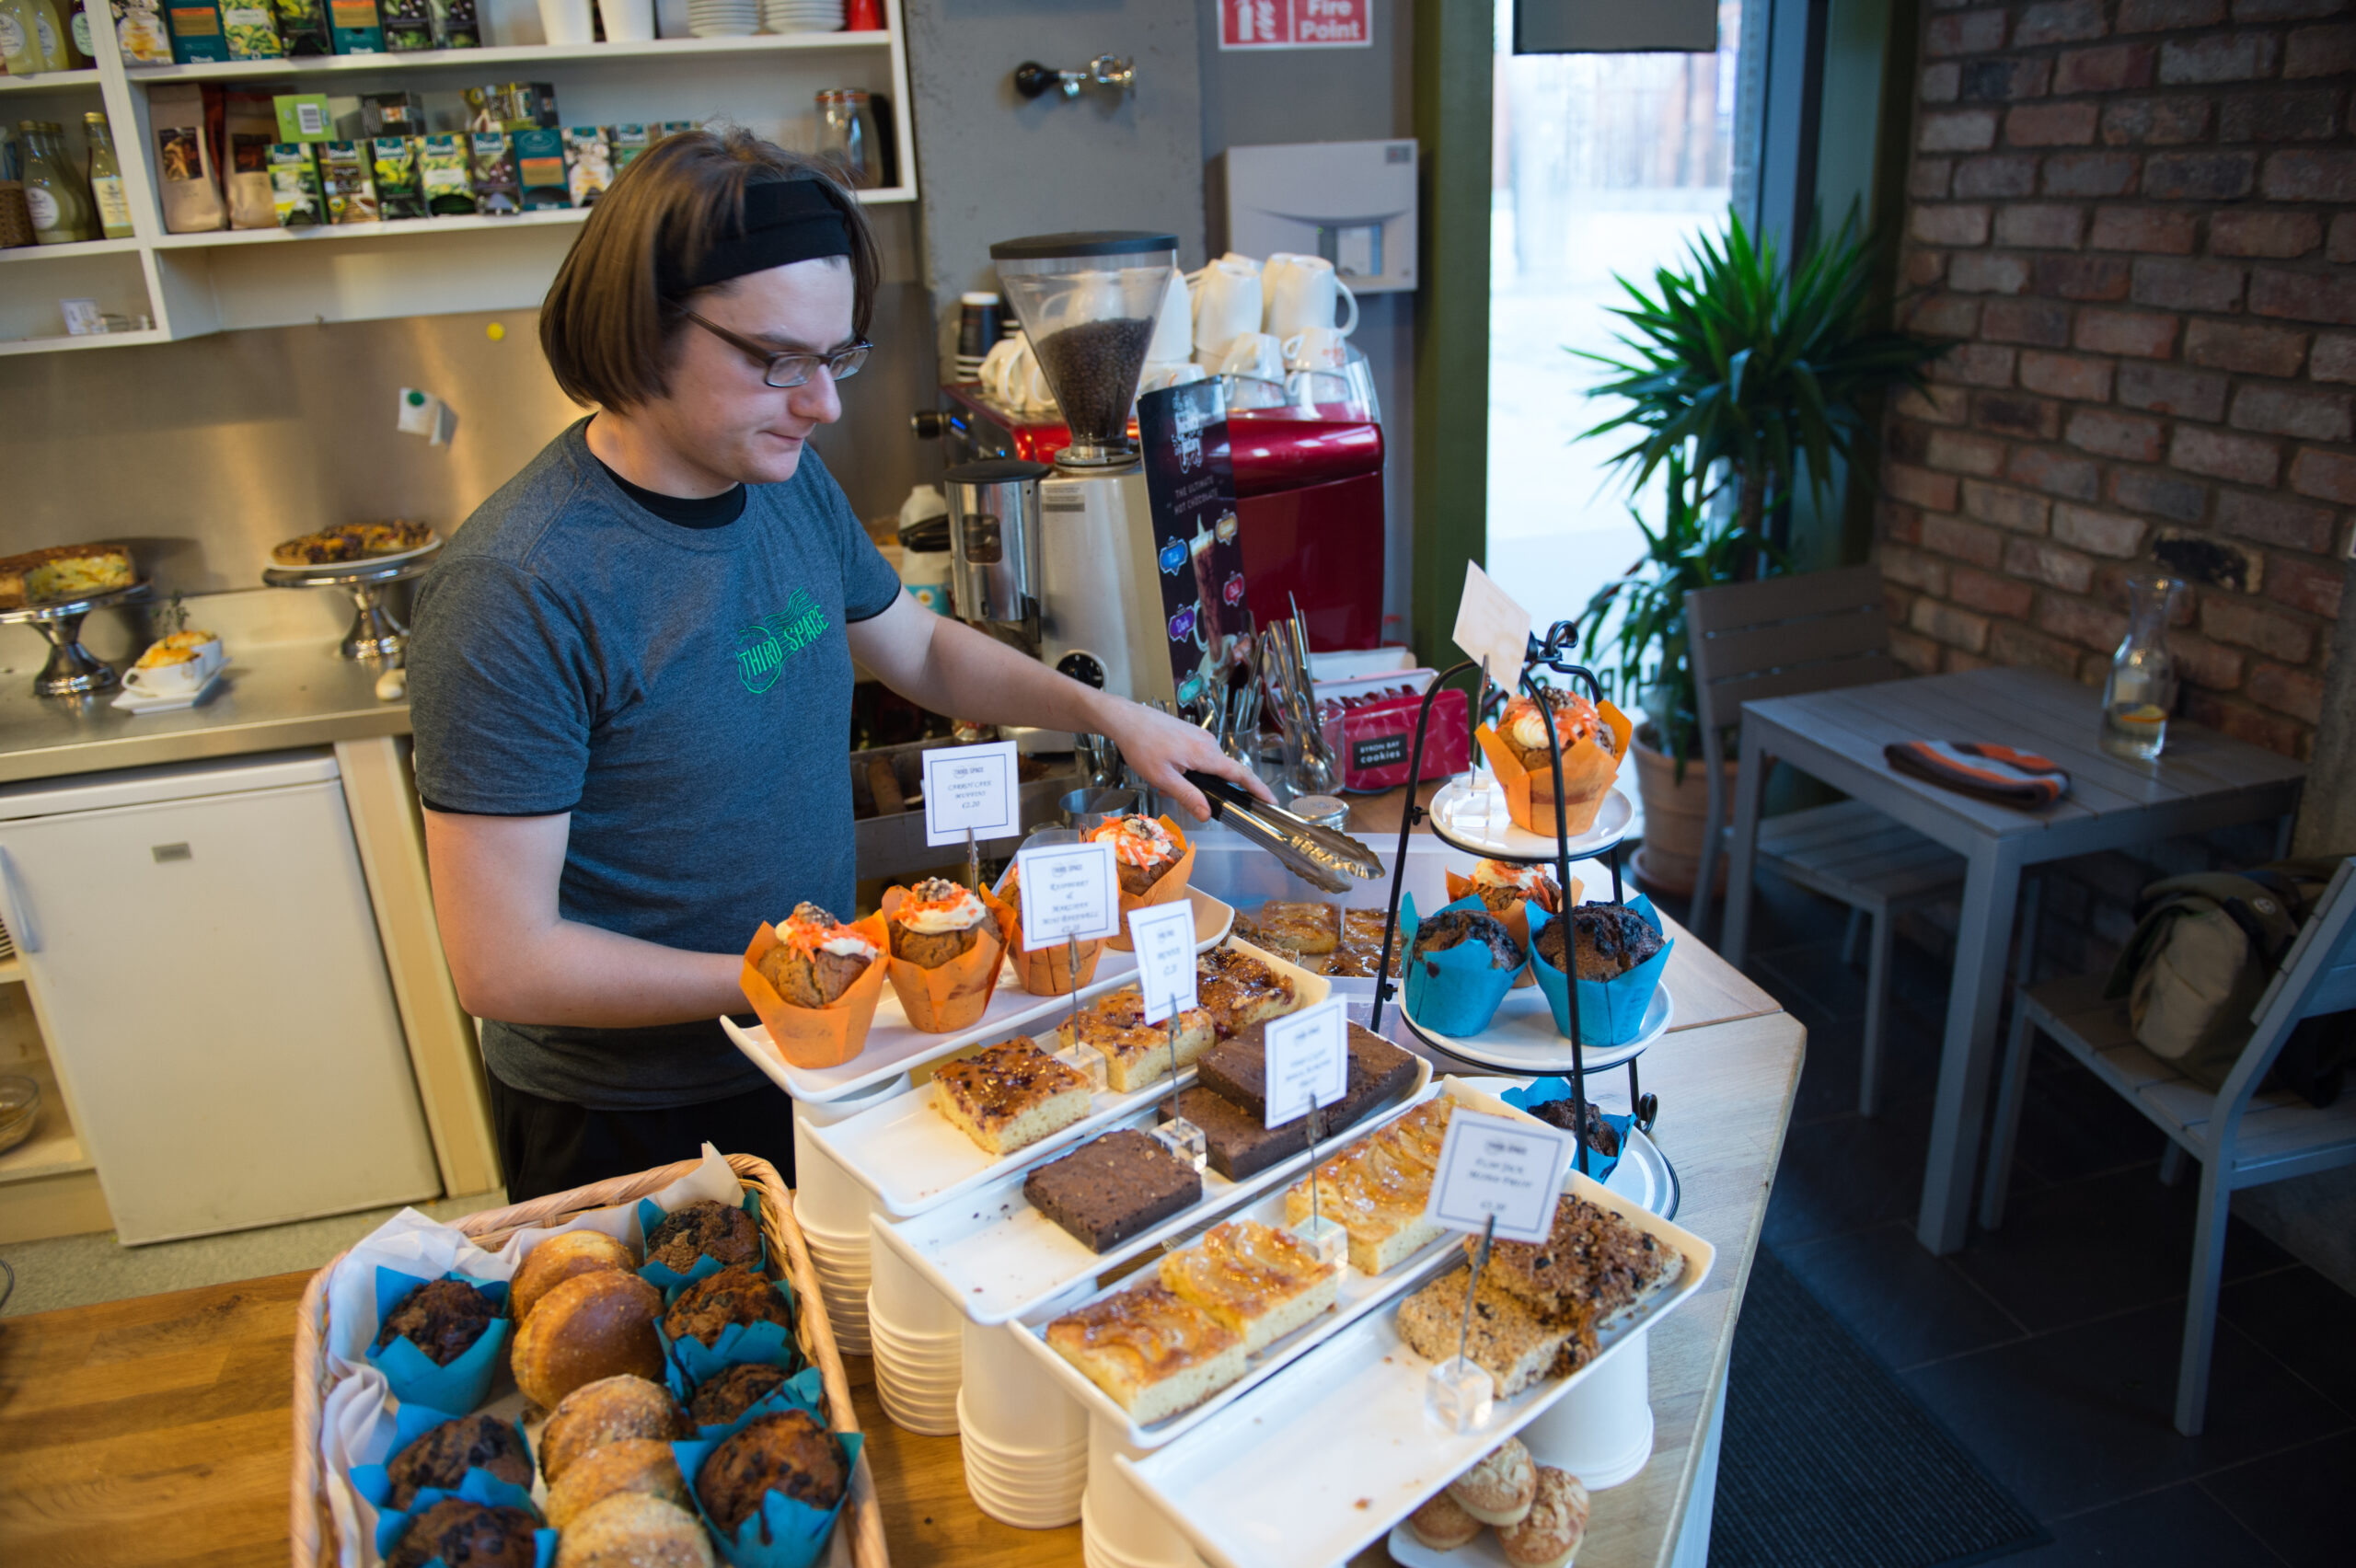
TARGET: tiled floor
(2048,1346)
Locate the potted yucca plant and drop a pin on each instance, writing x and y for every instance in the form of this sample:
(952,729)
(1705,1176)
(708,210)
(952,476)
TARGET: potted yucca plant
(1736,377)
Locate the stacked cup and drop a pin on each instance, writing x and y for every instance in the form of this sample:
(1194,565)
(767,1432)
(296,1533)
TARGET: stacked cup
(832,1209)
(1026,1441)
(801,15)
(1119,1528)
(917,1336)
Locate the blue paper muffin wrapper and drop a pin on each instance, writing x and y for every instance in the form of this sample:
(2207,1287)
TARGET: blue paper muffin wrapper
(412,1422)
(783,1532)
(1612,1012)
(1455,991)
(769,1343)
(804,1390)
(665,1278)
(480,1486)
(1599,1166)
(412,1376)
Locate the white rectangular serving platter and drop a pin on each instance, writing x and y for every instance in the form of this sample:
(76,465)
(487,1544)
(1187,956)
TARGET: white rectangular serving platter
(998,1257)
(1314,1465)
(1356,1296)
(893,1047)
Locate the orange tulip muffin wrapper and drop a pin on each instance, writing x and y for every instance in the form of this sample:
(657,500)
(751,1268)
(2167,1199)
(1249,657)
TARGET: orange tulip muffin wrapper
(1043,972)
(816,1037)
(1514,916)
(1171,887)
(1587,772)
(938,1001)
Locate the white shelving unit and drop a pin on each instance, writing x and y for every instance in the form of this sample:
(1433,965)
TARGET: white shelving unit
(191,284)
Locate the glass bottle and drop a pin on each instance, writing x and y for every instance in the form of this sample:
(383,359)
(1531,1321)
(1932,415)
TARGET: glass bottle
(49,35)
(113,208)
(19,54)
(2142,688)
(54,193)
(846,137)
(16,221)
(78,56)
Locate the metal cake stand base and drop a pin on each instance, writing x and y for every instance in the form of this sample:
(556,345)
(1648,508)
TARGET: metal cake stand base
(72,671)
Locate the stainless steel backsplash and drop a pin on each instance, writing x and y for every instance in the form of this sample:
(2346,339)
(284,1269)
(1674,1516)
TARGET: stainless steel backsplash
(204,453)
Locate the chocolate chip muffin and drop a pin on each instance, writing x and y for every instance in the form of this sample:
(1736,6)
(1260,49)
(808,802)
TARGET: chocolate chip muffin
(1601,1137)
(703,1228)
(735,1295)
(1454,928)
(722,1399)
(1613,939)
(442,1455)
(466,1535)
(790,1453)
(442,1318)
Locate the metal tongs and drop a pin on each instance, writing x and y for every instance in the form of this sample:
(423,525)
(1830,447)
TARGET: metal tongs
(1322,856)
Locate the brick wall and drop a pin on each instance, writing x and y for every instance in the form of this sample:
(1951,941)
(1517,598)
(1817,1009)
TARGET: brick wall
(2140,217)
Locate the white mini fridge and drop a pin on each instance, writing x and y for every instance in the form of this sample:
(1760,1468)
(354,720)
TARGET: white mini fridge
(205,965)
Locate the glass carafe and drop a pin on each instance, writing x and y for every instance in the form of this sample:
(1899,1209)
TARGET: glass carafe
(2142,688)
(1089,301)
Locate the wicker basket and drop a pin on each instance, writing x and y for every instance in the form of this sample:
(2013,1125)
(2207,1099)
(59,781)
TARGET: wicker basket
(861,1523)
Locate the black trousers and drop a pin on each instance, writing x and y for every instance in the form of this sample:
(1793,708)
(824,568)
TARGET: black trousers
(551,1145)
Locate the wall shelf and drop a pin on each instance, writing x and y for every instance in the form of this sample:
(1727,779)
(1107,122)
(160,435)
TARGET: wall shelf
(52,82)
(655,51)
(79,248)
(63,343)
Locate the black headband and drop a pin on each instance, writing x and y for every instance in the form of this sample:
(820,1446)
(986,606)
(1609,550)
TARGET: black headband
(785,221)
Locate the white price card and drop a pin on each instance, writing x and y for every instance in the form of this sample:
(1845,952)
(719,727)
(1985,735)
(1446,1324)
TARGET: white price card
(1164,935)
(1308,1062)
(974,790)
(1492,628)
(1491,1167)
(1069,890)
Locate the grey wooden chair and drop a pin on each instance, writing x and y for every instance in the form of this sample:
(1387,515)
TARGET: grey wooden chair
(1817,632)
(2243,1138)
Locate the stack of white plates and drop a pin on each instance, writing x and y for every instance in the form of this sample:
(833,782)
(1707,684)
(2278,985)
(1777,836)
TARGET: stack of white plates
(723,18)
(917,1375)
(801,15)
(1032,1489)
(844,1275)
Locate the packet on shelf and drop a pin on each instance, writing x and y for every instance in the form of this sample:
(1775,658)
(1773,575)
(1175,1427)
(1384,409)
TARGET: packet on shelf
(1507,890)
(1157,863)
(1594,739)
(814,982)
(943,947)
(1046,971)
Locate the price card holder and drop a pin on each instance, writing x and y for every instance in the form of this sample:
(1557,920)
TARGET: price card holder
(1500,1178)
(1307,1068)
(1493,630)
(1163,936)
(971,793)
(1070,889)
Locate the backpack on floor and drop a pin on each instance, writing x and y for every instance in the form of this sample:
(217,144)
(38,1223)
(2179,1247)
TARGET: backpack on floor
(2204,949)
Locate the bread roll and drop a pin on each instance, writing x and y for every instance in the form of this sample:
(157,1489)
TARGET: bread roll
(560,1257)
(633,1465)
(612,1410)
(631,1529)
(593,1325)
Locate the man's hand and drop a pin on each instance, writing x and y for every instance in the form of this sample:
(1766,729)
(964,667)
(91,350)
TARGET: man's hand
(1159,749)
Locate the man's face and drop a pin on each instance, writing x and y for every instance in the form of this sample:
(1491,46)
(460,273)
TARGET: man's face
(720,416)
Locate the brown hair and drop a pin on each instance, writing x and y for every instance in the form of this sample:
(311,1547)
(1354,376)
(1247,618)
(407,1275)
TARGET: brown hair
(604,325)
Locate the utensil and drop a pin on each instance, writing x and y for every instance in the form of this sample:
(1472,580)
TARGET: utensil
(1322,856)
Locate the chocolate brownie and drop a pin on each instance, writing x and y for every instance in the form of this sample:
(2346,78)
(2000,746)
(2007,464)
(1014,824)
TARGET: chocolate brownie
(466,1535)
(1451,927)
(1613,939)
(441,1457)
(788,1452)
(1238,1070)
(722,1399)
(442,1318)
(1601,1137)
(1107,1190)
(706,1227)
(735,1295)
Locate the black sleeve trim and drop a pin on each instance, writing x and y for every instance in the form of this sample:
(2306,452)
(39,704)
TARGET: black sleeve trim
(433,806)
(851,619)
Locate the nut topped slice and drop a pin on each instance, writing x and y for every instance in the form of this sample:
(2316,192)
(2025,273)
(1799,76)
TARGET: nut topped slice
(1010,1095)
(1137,1053)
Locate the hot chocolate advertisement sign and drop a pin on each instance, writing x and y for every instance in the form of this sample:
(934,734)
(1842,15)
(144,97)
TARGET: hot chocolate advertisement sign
(1198,556)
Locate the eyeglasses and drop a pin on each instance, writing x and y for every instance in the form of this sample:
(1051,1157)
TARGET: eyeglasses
(790,369)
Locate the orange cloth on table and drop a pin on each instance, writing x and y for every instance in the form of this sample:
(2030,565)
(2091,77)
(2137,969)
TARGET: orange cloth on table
(1172,885)
(817,1037)
(1514,916)
(942,1000)
(1587,772)
(1043,972)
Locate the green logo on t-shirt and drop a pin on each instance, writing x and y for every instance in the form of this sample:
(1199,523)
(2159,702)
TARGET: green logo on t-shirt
(763,647)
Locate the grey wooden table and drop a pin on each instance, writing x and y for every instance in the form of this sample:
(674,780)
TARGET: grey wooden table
(2203,780)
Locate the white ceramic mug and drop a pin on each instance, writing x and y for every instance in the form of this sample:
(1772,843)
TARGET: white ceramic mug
(567,21)
(1174,329)
(1302,291)
(628,22)
(1316,348)
(1227,303)
(1161,374)
(1012,376)
(1257,354)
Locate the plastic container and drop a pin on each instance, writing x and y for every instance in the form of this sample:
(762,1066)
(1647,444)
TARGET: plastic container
(20,1110)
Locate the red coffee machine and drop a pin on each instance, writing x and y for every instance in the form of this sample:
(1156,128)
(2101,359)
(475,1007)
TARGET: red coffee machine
(1308,496)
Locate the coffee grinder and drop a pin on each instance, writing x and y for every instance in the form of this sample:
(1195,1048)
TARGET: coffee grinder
(1089,303)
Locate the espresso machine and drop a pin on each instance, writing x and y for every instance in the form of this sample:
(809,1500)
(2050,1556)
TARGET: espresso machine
(1061,557)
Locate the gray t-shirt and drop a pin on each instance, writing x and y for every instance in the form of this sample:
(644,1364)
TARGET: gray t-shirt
(684,693)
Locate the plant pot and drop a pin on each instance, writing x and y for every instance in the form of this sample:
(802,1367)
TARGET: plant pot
(1670,857)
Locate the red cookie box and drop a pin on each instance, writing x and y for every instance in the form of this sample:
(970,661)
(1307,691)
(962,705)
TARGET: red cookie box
(1373,732)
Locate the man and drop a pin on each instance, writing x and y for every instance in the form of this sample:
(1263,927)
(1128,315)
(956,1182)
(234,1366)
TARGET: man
(630,672)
